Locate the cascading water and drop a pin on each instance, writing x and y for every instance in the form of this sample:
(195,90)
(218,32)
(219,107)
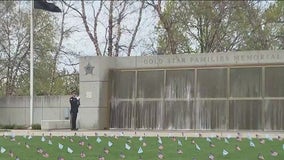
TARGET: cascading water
(206,98)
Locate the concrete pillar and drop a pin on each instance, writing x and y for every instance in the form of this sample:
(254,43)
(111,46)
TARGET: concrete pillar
(94,110)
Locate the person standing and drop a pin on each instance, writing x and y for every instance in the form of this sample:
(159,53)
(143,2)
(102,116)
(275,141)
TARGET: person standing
(75,103)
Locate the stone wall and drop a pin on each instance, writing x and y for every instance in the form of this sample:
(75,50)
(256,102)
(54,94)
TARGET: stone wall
(16,109)
(99,77)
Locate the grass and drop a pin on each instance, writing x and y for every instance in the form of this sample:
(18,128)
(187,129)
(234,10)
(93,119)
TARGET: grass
(150,151)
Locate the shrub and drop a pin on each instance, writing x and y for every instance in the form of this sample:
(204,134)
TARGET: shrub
(20,127)
(36,126)
(8,126)
(12,126)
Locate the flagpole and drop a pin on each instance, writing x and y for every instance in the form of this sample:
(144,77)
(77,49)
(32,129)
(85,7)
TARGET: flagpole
(31,64)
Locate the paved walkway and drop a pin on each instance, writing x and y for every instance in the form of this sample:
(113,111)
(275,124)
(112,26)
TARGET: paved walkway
(162,133)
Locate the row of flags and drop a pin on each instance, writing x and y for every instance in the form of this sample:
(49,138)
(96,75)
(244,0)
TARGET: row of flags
(127,146)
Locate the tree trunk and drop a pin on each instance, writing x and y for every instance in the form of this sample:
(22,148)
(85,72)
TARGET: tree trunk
(110,28)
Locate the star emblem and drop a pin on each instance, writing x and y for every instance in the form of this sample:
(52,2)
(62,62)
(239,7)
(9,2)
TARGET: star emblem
(89,69)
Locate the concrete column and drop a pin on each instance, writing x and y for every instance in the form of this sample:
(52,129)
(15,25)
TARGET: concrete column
(94,110)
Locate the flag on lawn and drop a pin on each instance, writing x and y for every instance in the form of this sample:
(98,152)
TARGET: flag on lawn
(99,140)
(49,142)
(208,139)
(44,5)
(225,152)
(60,146)
(110,143)
(197,147)
(211,157)
(179,143)
(42,139)
(69,150)
(2,150)
(226,140)
(13,135)
(251,144)
(122,155)
(27,145)
(140,150)
(127,146)
(267,136)
(160,140)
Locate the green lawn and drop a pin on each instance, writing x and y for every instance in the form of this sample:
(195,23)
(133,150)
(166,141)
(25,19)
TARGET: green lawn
(150,151)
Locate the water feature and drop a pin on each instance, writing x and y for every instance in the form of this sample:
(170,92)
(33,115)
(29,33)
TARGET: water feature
(222,98)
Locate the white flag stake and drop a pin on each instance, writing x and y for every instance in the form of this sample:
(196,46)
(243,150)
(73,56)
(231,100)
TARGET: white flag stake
(140,150)
(197,147)
(225,152)
(99,140)
(69,150)
(60,146)
(2,150)
(109,143)
(127,146)
(42,139)
(251,144)
(179,143)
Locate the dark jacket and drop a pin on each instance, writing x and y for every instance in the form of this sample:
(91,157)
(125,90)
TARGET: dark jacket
(75,103)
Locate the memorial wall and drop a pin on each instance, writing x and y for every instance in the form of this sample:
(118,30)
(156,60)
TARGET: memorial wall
(220,91)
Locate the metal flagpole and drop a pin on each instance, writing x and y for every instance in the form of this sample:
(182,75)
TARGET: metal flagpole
(31,64)
(42,4)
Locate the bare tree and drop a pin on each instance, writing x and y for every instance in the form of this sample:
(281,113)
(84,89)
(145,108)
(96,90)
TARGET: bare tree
(119,19)
(130,47)
(110,28)
(93,36)
(116,13)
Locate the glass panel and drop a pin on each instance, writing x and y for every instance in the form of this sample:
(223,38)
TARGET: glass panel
(121,115)
(211,114)
(179,115)
(211,83)
(245,82)
(274,82)
(150,84)
(245,114)
(274,114)
(180,84)
(148,115)
(123,84)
